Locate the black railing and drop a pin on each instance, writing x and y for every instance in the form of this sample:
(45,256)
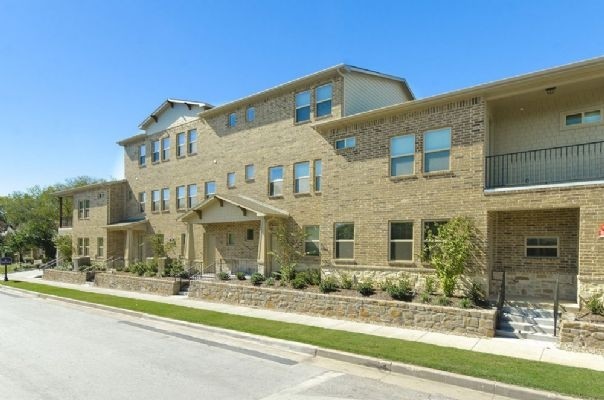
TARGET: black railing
(66,222)
(556,304)
(575,163)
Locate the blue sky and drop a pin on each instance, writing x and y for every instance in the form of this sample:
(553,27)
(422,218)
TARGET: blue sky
(77,76)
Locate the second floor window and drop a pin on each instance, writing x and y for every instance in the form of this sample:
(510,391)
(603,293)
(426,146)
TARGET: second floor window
(346,143)
(165,199)
(155,200)
(192,142)
(323,100)
(402,152)
(250,172)
(180,144)
(165,149)
(302,177)
(302,106)
(275,181)
(318,171)
(180,197)
(191,195)
(250,114)
(83,209)
(437,150)
(232,119)
(142,155)
(142,199)
(155,154)
(210,188)
(231,180)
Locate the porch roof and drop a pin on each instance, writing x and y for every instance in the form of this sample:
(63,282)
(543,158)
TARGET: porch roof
(244,203)
(135,224)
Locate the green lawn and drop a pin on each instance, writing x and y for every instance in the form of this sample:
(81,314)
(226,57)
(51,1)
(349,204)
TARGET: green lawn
(551,377)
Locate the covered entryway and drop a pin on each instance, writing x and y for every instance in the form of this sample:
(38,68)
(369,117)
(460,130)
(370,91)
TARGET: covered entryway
(126,241)
(536,248)
(236,235)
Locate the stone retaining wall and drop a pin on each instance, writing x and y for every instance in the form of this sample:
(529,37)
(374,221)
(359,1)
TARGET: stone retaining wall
(479,323)
(162,287)
(582,336)
(67,276)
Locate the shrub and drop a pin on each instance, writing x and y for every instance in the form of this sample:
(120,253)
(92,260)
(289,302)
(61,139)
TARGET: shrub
(175,269)
(465,302)
(476,294)
(401,290)
(138,268)
(313,276)
(595,305)
(385,284)
(345,281)
(299,282)
(276,275)
(328,285)
(444,301)
(425,298)
(240,276)
(223,276)
(288,272)
(257,278)
(366,288)
(430,284)
(270,281)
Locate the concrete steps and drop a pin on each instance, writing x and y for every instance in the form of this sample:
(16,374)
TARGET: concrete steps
(524,320)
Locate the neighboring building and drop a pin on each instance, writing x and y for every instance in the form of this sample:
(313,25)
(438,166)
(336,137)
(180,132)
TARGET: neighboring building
(364,169)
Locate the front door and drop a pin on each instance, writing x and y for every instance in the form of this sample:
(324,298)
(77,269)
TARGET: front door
(209,252)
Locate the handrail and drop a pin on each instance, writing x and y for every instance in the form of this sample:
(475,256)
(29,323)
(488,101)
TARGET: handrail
(556,303)
(501,297)
(50,264)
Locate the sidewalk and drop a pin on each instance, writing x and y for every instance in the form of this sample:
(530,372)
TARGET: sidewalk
(518,348)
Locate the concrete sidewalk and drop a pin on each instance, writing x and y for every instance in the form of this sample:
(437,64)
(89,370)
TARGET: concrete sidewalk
(518,348)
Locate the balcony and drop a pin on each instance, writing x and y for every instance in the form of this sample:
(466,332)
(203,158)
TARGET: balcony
(564,164)
(66,222)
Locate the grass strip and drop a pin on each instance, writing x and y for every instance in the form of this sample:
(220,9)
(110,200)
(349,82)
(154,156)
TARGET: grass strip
(572,381)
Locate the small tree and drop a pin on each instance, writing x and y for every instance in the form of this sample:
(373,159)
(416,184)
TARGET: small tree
(449,251)
(291,244)
(63,243)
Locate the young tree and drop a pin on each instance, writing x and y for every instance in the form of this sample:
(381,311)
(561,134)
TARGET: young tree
(291,244)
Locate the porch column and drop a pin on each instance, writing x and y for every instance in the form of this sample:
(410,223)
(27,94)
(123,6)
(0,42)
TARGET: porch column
(190,244)
(60,212)
(262,243)
(128,248)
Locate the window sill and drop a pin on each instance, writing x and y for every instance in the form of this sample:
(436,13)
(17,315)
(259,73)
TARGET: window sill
(401,263)
(305,194)
(166,160)
(165,211)
(318,193)
(231,187)
(276,197)
(324,117)
(438,174)
(180,157)
(142,166)
(398,178)
(296,123)
(250,180)
(341,261)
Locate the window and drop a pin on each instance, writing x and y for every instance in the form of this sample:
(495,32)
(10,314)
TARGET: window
(275,181)
(100,247)
(311,240)
(180,144)
(142,199)
(401,241)
(192,141)
(165,149)
(83,246)
(155,148)
(183,244)
(230,239)
(432,227)
(323,100)
(542,246)
(250,114)
(155,200)
(302,177)
(346,143)
(437,150)
(318,171)
(249,234)
(402,151)
(303,106)
(142,155)
(232,120)
(191,195)
(344,240)
(586,117)
(180,197)
(231,180)
(210,188)
(83,209)
(165,199)
(250,172)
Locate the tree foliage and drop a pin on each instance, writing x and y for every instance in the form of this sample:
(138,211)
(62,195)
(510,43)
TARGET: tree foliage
(291,244)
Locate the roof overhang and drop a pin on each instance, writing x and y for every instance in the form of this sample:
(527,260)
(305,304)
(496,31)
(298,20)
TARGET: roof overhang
(85,188)
(137,225)
(224,209)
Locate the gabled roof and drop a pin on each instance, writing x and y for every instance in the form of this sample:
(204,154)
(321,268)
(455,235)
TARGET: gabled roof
(341,68)
(257,207)
(170,103)
(88,187)
(139,223)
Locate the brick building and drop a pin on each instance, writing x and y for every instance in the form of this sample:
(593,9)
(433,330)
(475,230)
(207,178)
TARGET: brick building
(364,169)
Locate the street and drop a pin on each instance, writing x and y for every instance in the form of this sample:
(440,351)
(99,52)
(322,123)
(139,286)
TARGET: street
(56,350)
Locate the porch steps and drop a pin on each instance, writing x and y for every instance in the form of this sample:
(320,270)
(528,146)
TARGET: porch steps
(184,289)
(525,320)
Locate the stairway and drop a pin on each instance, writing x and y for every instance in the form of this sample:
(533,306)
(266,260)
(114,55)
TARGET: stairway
(184,289)
(527,320)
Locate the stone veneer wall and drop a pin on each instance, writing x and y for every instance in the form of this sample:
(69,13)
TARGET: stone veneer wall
(480,323)
(582,336)
(162,287)
(67,276)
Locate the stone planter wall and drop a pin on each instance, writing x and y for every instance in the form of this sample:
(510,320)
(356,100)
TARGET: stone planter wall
(163,287)
(582,336)
(479,323)
(67,276)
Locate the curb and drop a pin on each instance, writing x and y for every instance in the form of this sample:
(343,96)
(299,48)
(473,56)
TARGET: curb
(478,384)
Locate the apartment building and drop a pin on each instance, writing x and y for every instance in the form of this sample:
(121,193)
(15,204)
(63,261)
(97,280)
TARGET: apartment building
(364,169)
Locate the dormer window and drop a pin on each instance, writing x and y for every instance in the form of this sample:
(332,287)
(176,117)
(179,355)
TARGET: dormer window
(303,106)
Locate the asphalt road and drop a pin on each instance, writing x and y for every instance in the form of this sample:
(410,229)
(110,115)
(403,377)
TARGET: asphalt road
(54,350)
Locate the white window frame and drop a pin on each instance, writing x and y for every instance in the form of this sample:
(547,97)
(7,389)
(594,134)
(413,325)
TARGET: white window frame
(181,200)
(336,240)
(317,176)
(440,150)
(390,240)
(298,180)
(100,246)
(165,199)
(155,200)
(181,144)
(142,155)
(84,209)
(250,177)
(155,151)
(556,246)
(317,101)
(250,114)
(83,246)
(192,144)
(165,149)
(316,242)
(582,113)
(402,155)
(142,199)
(271,183)
(296,107)
(231,180)
(191,198)
(349,142)
(206,191)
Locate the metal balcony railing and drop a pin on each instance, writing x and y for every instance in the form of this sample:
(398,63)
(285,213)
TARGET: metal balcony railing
(575,163)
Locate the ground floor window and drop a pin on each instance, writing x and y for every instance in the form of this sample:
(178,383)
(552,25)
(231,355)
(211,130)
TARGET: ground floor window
(83,246)
(541,246)
(249,234)
(344,240)
(311,240)
(401,241)
(230,239)
(100,247)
